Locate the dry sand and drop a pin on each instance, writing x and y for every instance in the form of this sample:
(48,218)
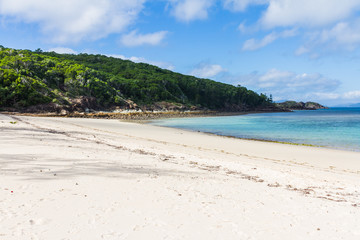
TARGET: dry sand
(105,179)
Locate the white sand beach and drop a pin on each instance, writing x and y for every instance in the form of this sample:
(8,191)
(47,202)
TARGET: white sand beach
(67,178)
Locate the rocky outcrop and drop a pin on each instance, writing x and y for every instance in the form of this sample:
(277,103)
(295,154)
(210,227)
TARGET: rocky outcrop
(292,105)
(314,106)
(84,103)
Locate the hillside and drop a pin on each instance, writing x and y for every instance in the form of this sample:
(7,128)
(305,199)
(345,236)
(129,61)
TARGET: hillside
(47,81)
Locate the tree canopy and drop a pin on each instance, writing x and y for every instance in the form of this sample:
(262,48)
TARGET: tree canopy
(28,78)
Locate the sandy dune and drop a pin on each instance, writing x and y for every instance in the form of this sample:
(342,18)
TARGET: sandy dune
(105,179)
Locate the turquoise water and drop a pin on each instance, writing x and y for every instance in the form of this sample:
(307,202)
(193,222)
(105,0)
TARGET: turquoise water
(334,128)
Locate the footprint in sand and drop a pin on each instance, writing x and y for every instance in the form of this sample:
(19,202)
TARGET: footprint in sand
(114,236)
(39,221)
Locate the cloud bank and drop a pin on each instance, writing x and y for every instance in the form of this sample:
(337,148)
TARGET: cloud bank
(134,39)
(62,50)
(328,25)
(289,85)
(164,65)
(73,21)
(284,13)
(189,10)
(253,44)
(207,70)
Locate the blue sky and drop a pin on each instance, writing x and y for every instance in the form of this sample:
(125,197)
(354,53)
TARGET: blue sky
(293,49)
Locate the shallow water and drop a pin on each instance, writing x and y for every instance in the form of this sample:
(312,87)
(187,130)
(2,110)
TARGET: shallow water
(334,128)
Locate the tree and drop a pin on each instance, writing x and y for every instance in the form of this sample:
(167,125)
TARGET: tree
(111,81)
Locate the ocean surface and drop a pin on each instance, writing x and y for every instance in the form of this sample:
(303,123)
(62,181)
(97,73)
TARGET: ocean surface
(337,128)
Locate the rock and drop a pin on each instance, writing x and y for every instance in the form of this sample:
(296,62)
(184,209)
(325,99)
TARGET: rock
(64,112)
(131,104)
(313,105)
(292,105)
(83,103)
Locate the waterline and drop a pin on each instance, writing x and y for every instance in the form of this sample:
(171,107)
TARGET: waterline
(333,128)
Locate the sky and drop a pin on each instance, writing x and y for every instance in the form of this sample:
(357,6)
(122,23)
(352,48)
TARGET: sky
(303,50)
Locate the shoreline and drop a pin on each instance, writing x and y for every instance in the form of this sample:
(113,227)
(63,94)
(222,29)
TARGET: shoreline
(257,139)
(104,178)
(140,116)
(147,117)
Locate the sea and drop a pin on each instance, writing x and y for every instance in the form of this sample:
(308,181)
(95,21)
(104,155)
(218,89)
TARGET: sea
(337,128)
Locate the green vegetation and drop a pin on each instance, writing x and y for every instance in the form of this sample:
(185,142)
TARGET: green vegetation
(300,105)
(30,78)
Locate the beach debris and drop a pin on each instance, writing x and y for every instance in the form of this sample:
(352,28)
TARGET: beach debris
(276,184)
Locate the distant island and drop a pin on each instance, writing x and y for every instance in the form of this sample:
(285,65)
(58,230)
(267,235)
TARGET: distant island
(40,82)
(292,105)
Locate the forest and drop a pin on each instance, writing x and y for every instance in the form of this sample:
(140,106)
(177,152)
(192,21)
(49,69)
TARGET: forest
(29,78)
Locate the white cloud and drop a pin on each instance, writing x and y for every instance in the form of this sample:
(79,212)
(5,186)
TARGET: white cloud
(301,50)
(326,96)
(242,27)
(341,36)
(286,80)
(134,39)
(189,10)
(338,98)
(241,5)
(62,50)
(290,85)
(283,13)
(352,95)
(253,44)
(326,25)
(207,70)
(164,65)
(72,21)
